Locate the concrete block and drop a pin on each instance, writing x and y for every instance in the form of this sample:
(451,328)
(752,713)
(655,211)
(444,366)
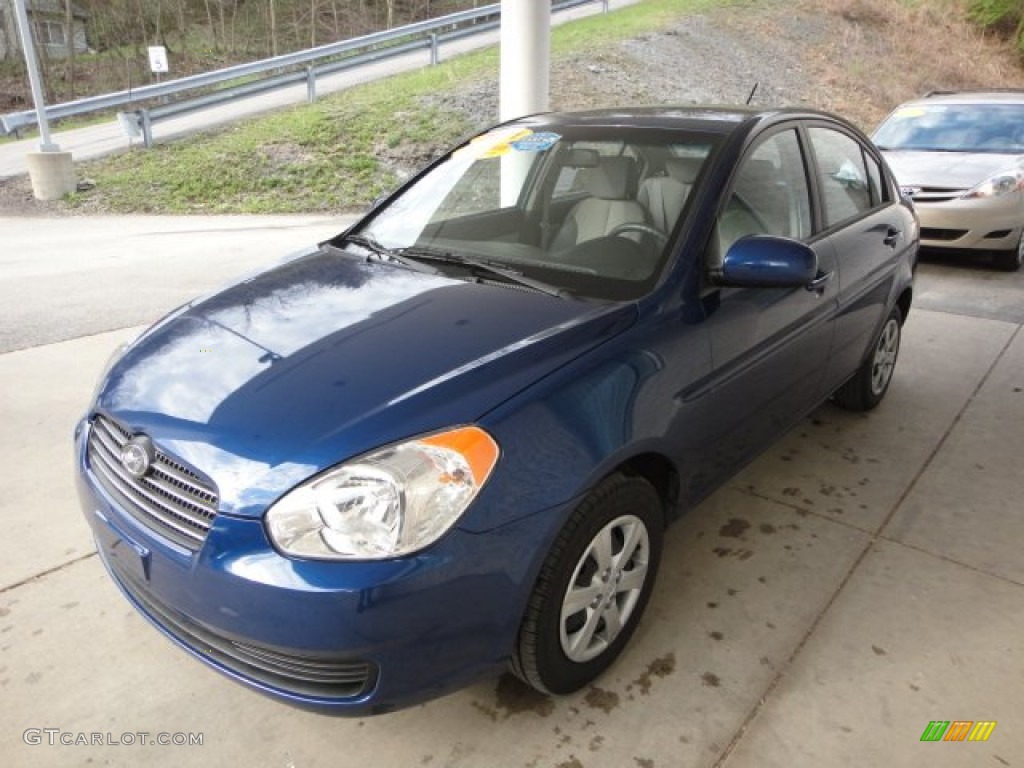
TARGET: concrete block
(52,174)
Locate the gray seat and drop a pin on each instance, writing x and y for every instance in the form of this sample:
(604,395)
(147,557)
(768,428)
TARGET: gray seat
(665,196)
(610,186)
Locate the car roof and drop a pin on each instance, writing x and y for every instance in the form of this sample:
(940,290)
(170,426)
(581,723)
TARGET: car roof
(710,118)
(990,96)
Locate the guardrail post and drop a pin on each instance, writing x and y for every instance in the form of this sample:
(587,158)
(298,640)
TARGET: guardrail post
(147,128)
(311,84)
(435,54)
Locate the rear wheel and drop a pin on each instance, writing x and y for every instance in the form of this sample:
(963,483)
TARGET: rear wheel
(593,587)
(868,386)
(1010,260)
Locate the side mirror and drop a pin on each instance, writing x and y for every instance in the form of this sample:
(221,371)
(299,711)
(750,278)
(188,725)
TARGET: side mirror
(764,261)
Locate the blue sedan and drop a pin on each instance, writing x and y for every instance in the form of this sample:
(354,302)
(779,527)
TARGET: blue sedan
(448,441)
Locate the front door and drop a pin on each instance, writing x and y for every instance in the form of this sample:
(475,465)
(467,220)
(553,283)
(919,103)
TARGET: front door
(770,346)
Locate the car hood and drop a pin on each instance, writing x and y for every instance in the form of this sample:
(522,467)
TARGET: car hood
(324,358)
(947,170)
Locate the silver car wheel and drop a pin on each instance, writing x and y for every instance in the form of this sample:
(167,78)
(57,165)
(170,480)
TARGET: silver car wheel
(885,356)
(604,589)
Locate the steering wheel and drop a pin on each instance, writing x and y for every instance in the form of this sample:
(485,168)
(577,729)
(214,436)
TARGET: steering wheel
(639,226)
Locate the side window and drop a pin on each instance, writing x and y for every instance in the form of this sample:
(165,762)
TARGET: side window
(769,196)
(879,191)
(841,174)
(570,181)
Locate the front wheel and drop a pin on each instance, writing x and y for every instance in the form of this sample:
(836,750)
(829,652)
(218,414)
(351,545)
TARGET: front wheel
(871,381)
(592,588)
(1010,261)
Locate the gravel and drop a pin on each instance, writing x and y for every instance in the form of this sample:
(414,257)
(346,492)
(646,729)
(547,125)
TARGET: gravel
(703,59)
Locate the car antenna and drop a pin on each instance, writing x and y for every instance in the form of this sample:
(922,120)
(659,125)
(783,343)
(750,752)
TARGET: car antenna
(753,90)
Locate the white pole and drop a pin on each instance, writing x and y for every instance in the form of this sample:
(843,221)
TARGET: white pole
(523,90)
(525,56)
(27,47)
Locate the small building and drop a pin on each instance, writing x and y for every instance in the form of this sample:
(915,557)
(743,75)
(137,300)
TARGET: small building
(48,21)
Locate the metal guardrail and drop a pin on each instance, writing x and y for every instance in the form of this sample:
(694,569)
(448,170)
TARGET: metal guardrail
(314,62)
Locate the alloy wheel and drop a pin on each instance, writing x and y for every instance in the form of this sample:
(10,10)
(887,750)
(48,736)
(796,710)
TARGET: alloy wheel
(604,589)
(885,356)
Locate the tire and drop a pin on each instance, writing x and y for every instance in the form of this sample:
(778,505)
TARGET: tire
(599,573)
(871,381)
(1010,261)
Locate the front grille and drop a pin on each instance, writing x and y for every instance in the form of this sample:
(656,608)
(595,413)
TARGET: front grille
(932,233)
(170,499)
(307,675)
(937,194)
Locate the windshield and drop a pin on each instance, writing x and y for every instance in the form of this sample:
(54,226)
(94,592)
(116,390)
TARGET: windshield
(997,128)
(587,210)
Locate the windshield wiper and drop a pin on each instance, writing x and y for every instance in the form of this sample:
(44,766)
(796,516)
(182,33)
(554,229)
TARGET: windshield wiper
(479,266)
(383,252)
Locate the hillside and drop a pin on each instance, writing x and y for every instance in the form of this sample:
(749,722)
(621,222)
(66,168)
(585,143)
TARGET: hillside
(855,57)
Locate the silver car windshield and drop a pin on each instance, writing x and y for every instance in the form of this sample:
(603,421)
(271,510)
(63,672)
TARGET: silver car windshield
(589,210)
(997,128)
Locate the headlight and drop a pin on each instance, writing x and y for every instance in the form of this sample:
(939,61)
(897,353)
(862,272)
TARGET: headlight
(391,502)
(1000,184)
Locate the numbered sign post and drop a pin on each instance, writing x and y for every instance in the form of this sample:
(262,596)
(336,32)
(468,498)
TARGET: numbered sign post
(158,61)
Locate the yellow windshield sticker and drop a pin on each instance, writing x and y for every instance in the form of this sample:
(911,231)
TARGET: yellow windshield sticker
(495,143)
(910,112)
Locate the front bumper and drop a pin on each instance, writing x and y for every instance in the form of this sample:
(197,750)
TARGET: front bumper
(992,224)
(346,638)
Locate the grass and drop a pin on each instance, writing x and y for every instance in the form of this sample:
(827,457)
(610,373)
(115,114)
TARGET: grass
(315,158)
(332,155)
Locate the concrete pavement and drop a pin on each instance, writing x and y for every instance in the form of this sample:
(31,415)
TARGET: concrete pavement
(105,138)
(860,580)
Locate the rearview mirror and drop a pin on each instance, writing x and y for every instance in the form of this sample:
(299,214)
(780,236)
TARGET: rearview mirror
(764,261)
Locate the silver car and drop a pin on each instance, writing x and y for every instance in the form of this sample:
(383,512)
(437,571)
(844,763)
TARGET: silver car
(960,157)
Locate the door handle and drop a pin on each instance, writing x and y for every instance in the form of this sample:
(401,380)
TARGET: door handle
(817,285)
(891,236)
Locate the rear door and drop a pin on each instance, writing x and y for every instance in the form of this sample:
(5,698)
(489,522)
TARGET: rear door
(866,228)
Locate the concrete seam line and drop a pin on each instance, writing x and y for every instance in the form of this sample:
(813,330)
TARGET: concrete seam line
(44,574)
(804,511)
(945,436)
(875,538)
(952,561)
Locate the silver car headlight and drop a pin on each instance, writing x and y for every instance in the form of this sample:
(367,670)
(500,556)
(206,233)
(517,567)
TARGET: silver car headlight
(998,185)
(394,501)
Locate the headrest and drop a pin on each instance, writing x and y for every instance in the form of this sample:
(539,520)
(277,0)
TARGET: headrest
(614,178)
(684,169)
